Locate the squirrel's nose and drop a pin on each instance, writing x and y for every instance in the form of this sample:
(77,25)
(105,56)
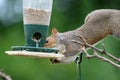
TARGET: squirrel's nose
(46,41)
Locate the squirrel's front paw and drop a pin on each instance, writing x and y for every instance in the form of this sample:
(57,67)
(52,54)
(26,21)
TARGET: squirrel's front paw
(54,61)
(62,48)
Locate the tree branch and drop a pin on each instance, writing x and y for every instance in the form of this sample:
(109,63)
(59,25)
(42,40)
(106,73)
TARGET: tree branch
(4,76)
(95,54)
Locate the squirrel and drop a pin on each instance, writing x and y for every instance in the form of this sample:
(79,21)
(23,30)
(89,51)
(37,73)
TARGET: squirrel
(97,25)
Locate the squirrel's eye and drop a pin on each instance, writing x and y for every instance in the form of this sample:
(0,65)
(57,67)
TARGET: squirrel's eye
(46,41)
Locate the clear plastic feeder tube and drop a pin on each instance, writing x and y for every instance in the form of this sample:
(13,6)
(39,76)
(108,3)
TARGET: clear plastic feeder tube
(37,11)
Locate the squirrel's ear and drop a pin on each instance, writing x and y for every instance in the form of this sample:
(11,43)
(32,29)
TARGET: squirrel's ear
(54,32)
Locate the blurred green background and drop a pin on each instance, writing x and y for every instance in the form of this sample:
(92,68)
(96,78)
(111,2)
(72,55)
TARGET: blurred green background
(67,15)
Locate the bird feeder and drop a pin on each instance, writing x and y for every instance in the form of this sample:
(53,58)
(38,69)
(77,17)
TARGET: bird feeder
(36,17)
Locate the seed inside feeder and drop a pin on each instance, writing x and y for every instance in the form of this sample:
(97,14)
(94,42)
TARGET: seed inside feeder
(36,16)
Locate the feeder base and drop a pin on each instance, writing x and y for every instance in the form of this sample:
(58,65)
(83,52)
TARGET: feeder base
(34,54)
(37,52)
(34,49)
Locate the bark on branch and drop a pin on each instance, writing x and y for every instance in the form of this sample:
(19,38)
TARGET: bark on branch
(4,76)
(96,53)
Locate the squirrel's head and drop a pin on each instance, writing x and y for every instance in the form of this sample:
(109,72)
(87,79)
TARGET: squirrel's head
(51,41)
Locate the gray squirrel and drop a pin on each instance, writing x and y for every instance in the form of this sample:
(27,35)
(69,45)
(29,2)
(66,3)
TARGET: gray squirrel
(97,25)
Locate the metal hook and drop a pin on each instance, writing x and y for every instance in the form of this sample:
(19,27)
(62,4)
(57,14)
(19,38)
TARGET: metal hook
(78,60)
